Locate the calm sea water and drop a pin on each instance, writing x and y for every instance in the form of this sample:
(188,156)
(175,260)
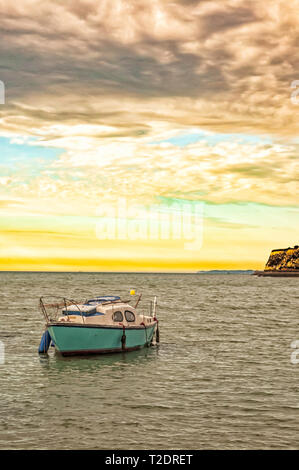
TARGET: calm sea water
(222,377)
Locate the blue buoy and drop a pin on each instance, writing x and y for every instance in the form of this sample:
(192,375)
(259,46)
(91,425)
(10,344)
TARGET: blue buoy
(44,343)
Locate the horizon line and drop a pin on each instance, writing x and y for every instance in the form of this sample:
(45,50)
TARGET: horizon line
(124,272)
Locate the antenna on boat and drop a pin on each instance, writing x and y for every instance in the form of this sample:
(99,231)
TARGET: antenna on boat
(155,306)
(138,300)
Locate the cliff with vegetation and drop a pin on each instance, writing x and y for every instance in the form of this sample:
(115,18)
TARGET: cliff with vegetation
(282,262)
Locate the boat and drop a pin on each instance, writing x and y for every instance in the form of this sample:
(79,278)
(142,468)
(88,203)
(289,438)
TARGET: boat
(103,324)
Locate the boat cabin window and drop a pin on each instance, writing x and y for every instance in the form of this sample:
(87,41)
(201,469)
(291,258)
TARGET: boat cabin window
(117,316)
(129,315)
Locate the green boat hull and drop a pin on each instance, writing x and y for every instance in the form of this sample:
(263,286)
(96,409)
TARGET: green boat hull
(78,339)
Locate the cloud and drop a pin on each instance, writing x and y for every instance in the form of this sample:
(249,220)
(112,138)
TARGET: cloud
(93,170)
(232,61)
(104,80)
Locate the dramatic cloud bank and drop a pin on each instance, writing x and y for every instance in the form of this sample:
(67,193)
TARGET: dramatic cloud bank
(188,100)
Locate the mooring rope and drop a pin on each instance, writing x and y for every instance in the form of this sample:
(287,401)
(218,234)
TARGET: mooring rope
(157,331)
(123,339)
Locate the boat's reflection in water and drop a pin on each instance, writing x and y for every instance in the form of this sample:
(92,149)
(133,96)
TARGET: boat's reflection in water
(56,361)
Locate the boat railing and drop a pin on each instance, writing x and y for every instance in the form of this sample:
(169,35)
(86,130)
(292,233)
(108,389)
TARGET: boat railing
(51,306)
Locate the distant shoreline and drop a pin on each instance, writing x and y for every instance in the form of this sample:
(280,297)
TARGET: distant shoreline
(227,271)
(213,271)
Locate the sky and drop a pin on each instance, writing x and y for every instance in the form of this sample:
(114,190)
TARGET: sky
(148,136)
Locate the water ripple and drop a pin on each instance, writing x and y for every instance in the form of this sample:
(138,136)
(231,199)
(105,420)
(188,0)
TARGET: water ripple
(221,378)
